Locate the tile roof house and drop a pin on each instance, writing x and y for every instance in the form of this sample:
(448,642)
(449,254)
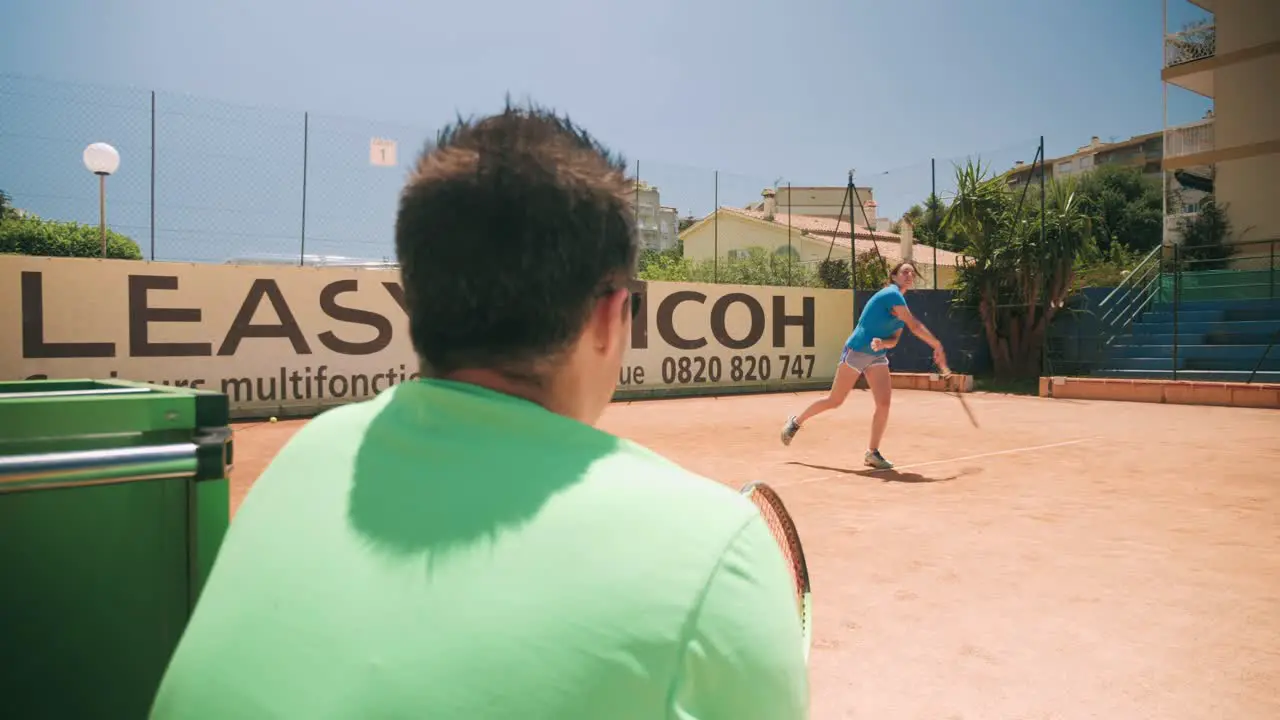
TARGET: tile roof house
(729,232)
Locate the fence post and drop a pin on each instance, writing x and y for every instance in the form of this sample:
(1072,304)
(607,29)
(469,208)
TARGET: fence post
(153,175)
(1177,294)
(306,135)
(933,219)
(715,231)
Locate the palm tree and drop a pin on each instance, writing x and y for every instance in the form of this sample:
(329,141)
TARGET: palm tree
(1019,263)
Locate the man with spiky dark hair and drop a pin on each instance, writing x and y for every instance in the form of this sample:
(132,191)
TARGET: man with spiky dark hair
(468,545)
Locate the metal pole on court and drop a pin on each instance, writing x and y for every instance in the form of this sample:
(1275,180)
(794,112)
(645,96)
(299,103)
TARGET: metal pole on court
(853,246)
(306,136)
(638,201)
(1044,349)
(1177,292)
(933,216)
(153,175)
(102,212)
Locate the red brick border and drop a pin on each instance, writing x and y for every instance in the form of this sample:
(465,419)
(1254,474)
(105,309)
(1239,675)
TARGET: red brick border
(1179,392)
(930,381)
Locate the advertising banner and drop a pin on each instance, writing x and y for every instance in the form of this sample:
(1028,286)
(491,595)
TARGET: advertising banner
(294,340)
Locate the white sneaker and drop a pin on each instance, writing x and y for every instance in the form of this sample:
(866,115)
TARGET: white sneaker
(789,430)
(874,459)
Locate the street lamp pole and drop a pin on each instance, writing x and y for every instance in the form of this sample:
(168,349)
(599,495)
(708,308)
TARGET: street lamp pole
(102,212)
(101,159)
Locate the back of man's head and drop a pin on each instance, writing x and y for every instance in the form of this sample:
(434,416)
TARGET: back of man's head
(509,230)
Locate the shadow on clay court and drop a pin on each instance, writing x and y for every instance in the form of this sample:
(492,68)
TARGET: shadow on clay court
(882,475)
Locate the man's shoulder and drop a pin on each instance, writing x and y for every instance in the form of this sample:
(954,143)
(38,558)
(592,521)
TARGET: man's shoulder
(333,428)
(642,475)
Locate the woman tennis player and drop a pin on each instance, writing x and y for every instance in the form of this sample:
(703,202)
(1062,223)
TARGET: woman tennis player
(879,328)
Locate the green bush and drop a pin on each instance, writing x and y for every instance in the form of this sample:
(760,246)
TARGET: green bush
(873,272)
(1205,236)
(1095,268)
(757,267)
(50,238)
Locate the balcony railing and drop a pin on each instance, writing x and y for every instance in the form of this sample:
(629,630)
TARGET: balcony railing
(1195,43)
(1189,139)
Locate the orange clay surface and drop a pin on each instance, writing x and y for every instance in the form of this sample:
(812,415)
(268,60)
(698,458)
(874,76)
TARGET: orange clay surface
(1070,559)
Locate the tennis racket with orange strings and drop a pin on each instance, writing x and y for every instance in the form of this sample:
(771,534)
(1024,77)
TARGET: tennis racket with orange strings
(784,532)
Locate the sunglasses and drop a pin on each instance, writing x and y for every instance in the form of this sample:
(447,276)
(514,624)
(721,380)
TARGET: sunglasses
(637,301)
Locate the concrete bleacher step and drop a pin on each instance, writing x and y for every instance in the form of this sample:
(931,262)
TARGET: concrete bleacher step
(1216,340)
(1263,376)
(1167,363)
(1250,314)
(1184,316)
(1271,306)
(1235,353)
(1182,338)
(1262,327)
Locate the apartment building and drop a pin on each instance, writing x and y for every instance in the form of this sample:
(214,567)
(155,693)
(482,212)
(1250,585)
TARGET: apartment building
(657,224)
(1232,58)
(1184,189)
(1141,151)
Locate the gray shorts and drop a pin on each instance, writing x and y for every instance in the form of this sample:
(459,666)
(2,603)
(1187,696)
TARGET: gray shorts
(860,361)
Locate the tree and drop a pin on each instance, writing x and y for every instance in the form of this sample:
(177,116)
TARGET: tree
(7,210)
(669,265)
(872,272)
(926,223)
(1095,268)
(1020,264)
(1124,205)
(1204,237)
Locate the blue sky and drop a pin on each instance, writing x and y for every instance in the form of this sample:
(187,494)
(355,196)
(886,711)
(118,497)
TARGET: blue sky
(802,90)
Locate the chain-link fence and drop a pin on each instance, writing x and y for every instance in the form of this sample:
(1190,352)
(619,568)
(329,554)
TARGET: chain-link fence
(773,229)
(207,181)
(44,128)
(202,180)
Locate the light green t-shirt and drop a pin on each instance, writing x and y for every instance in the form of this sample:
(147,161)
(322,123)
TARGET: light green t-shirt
(445,551)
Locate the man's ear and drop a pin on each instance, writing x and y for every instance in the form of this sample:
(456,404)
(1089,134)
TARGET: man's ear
(609,314)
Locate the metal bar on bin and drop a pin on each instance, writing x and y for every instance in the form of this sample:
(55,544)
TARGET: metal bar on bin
(42,394)
(96,467)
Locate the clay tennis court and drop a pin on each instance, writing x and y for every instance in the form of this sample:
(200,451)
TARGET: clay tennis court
(1070,559)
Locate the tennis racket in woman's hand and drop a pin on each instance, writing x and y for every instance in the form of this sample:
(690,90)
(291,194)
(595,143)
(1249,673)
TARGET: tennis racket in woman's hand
(784,532)
(948,378)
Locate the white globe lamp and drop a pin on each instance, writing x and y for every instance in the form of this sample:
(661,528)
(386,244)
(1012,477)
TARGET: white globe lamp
(102,160)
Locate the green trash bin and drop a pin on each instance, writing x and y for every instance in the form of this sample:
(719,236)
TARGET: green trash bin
(113,503)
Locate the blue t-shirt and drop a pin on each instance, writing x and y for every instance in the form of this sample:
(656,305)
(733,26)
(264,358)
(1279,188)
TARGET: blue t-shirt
(877,320)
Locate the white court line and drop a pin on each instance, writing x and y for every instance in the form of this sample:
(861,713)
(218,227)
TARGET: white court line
(1010,451)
